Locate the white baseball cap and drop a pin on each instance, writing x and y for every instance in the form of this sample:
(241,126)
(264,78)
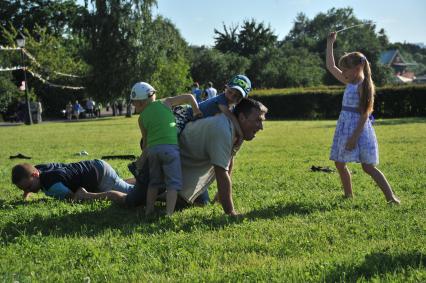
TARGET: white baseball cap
(141,91)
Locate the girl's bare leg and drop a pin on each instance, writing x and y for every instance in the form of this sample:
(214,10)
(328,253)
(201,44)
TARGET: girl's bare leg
(345,177)
(381,181)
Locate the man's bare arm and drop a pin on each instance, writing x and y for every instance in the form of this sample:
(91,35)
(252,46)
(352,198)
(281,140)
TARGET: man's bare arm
(224,187)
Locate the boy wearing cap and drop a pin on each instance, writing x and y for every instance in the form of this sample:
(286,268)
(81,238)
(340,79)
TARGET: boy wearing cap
(237,89)
(160,142)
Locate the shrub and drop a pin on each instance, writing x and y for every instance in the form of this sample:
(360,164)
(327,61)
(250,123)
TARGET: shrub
(325,103)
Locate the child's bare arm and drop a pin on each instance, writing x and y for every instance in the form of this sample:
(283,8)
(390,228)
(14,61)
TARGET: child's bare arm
(183,99)
(357,132)
(331,65)
(144,134)
(234,121)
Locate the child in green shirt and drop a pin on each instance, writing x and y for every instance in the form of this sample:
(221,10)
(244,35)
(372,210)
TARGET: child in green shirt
(160,142)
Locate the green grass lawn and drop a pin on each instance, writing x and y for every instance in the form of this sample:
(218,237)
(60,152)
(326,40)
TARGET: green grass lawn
(297,227)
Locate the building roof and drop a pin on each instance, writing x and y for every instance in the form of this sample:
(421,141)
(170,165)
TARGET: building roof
(386,57)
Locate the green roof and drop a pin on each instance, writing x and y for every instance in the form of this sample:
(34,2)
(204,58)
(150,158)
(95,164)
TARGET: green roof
(387,56)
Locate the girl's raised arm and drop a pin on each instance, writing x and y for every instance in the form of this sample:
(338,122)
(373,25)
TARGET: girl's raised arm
(331,65)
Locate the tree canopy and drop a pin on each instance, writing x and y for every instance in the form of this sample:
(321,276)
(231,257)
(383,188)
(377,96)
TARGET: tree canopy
(112,44)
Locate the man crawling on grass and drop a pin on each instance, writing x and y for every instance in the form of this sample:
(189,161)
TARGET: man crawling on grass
(63,181)
(207,154)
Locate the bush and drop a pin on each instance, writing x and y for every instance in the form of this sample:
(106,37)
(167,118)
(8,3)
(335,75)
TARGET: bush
(391,102)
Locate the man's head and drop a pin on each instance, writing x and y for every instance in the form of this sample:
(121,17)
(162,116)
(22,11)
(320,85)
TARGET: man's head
(250,115)
(26,177)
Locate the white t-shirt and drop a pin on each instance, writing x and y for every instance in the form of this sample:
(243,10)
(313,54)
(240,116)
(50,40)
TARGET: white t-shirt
(90,104)
(204,143)
(211,92)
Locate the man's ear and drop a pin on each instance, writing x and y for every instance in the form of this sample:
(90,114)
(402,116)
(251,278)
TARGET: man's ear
(35,174)
(241,117)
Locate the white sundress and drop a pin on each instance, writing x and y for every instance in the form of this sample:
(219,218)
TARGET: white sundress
(366,149)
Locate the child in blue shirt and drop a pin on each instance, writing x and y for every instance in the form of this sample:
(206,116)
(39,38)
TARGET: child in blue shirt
(237,89)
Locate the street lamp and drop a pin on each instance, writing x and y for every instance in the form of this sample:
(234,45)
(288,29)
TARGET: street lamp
(20,41)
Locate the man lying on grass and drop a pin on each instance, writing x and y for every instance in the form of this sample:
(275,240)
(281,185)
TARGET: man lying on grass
(207,151)
(62,181)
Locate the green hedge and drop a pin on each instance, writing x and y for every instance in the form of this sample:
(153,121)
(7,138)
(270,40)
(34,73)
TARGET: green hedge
(391,102)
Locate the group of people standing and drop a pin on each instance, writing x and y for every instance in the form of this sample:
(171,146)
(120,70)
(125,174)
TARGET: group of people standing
(75,109)
(200,95)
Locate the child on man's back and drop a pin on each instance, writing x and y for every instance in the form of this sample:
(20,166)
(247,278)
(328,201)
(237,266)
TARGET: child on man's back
(236,89)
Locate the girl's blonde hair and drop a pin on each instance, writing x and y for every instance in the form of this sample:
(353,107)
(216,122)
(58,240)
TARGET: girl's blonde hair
(367,89)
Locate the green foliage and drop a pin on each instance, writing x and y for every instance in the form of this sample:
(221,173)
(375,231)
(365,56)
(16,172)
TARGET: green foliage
(9,93)
(311,103)
(58,17)
(171,77)
(286,67)
(162,58)
(52,55)
(248,40)
(127,46)
(297,227)
(212,65)
(312,34)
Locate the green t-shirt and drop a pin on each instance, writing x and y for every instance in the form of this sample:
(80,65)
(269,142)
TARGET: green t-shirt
(159,123)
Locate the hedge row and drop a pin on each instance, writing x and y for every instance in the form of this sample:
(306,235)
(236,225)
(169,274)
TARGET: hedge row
(390,102)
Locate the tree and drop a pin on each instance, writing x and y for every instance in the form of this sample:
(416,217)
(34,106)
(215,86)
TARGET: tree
(286,67)
(163,58)
(227,41)
(52,58)
(58,17)
(249,40)
(312,34)
(114,29)
(209,64)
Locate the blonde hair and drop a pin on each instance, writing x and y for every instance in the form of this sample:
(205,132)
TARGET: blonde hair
(367,88)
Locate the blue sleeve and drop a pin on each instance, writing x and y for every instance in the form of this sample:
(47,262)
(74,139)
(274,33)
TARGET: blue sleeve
(58,191)
(221,100)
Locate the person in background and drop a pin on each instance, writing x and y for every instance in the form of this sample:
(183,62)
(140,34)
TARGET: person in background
(68,110)
(210,90)
(196,92)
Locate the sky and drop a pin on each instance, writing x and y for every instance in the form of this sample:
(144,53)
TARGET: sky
(197,19)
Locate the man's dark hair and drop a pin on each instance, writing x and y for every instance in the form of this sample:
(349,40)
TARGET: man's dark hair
(247,104)
(22,171)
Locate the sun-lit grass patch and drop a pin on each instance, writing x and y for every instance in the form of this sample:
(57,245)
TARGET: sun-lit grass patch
(297,227)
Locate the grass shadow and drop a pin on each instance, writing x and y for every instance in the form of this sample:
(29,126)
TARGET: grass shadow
(377,264)
(128,221)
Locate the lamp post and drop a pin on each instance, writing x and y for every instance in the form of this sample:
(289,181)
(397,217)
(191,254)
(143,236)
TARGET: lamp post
(20,41)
